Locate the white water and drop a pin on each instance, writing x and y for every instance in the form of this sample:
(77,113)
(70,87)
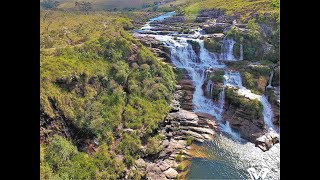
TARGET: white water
(270,80)
(242,155)
(209,88)
(227,50)
(233,79)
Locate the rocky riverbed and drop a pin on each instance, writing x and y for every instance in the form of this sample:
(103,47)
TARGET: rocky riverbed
(187,51)
(179,129)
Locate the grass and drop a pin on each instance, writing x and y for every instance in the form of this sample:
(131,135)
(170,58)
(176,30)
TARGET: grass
(87,80)
(243,7)
(250,106)
(109,4)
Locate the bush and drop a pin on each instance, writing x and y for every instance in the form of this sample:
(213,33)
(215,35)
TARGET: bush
(179,158)
(212,46)
(252,106)
(189,140)
(154,145)
(180,167)
(236,50)
(79,167)
(59,151)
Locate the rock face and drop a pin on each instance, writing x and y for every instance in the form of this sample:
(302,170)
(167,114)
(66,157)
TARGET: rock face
(215,28)
(243,122)
(183,124)
(179,125)
(155,46)
(266,141)
(187,89)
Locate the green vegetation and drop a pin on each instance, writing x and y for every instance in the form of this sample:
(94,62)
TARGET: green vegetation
(180,167)
(217,76)
(251,106)
(212,45)
(179,158)
(189,140)
(230,7)
(154,145)
(61,160)
(110,5)
(195,45)
(93,79)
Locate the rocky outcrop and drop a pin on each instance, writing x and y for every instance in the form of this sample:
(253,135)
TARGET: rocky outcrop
(243,121)
(155,46)
(187,89)
(179,126)
(183,124)
(266,141)
(215,28)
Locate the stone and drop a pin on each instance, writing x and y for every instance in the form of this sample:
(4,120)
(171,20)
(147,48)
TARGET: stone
(171,163)
(266,141)
(141,163)
(198,129)
(184,115)
(171,173)
(175,106)
(193,134)
(165,143)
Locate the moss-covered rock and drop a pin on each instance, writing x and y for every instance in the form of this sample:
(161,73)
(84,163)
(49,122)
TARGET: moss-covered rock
(212,45)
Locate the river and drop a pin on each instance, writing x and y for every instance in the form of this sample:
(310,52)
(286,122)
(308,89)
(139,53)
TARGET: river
(229,156)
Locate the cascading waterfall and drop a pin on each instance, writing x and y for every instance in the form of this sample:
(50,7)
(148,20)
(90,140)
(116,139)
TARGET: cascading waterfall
(270,80)
(236,156)
(209,88)
(241,52)
(227,49)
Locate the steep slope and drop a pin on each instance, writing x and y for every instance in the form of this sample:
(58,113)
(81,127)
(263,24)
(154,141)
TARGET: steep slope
(98,85)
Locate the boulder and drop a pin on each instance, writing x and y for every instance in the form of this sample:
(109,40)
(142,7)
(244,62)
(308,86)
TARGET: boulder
(266,141)
(141,163)
(175,106)
(171,173)
(184,115)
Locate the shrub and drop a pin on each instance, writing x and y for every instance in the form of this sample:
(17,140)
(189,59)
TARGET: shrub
(180,167)
(212,46)
(154,145)
(189,140)
(59,151)
(179,158)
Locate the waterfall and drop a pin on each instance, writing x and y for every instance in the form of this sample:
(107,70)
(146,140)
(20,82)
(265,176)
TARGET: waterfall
(209,88)
(270,80)
(233,79)
(267,112)
(227,49)
(241,52)
(238,155)
(227,129)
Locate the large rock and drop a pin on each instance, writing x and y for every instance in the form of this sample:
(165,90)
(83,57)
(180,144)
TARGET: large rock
(184,115)
(215,28)
(243,122)
(266,141)
(171,173)
(175,106)
(156,170)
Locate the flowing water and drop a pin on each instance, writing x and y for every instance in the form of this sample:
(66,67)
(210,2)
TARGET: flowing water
(229,156)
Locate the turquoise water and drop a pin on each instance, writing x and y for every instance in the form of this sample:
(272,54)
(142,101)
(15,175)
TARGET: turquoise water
(229,159)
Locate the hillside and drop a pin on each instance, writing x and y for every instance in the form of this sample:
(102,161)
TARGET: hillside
(243,8)
(97,82)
